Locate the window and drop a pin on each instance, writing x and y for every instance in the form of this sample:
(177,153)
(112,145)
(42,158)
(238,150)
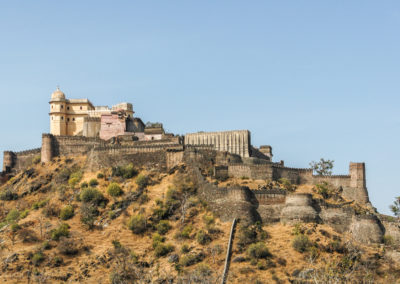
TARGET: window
(73,119)
(62,118)
(62,106)
(51,118)
(67,119)
(67,108)
(81,108)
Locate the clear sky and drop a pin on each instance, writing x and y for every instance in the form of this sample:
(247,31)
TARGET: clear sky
(311,78)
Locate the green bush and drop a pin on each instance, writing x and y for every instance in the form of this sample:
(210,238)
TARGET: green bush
(67,212)
(24,214)
(163,249)
(61,231)
(15,227)
(89,213)
(163,227)
(40,204)
(75,178)
(100,176)
(190,259)
(12,216)
(114,189)
(301,243)
(46,245)
(137,224)
(37,258)
(208,220)
(286,184)
(36,160)
(186,231)
(129,171)
(8,195)
(202,237)
(157,239)
(258,251)
(93,182)
(84,185)
(91,195)
(142,181)
(126,172)
(185,248)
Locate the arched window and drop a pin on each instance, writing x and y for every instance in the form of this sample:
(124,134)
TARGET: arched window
(67,108)
(62,106)
(62,118)
(73,119)
(67,119)
(81,108)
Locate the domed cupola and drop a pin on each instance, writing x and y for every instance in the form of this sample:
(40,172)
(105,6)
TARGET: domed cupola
(57,95)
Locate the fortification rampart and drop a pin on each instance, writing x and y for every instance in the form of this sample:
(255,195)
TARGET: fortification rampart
(17,161)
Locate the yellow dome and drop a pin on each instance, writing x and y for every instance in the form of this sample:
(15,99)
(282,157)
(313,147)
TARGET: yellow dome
(57,95)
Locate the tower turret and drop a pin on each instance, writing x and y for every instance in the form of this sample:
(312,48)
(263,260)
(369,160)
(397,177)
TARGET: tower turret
(58,113)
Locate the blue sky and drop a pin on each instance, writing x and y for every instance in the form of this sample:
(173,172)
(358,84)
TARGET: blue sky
(311,78)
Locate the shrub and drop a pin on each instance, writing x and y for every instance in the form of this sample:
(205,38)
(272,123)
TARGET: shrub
(37,258)
(157,239)
(36,160)
(8,195)
(142,181)
(88,214)
(246,236)
(24,214)
(163,227)
(191,258)
(67,247)
(51,210)
(202,237)
(258,251)
(286,184)
(100,175)
(92,195)
(163,249)
(324,189)
(208,220)
(137,224)
(185,248)
(125,172)
(46,245)
(186,231)
(143,198)
(129,171)
(57,261)
(15,227)
(61,231)
(63,176)
(301,243)
(39,204)
(84,185)
(114,189)
(67,212)
(12,216)
(388,240)
(27,235)
(93,182)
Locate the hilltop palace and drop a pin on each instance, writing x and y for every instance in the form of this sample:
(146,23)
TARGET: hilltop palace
(112,135)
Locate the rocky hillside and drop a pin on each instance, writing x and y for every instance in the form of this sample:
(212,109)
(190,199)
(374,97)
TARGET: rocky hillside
(60,223)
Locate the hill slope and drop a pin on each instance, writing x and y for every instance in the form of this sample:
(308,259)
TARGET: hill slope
(61,223)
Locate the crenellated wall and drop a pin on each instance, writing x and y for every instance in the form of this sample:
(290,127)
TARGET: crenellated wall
(17,161)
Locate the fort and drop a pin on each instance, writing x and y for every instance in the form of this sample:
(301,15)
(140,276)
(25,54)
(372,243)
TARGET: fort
(113,136)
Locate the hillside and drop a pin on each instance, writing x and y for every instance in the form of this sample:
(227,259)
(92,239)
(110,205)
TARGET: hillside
(60,222)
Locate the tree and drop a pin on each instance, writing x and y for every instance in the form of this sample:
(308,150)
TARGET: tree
(395,207)
(323,167)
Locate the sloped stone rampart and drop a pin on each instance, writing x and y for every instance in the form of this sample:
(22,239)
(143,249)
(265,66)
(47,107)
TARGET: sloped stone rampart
(366,229)
(298,208)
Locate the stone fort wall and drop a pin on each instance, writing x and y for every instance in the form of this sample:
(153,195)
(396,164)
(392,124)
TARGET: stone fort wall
(235,142)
